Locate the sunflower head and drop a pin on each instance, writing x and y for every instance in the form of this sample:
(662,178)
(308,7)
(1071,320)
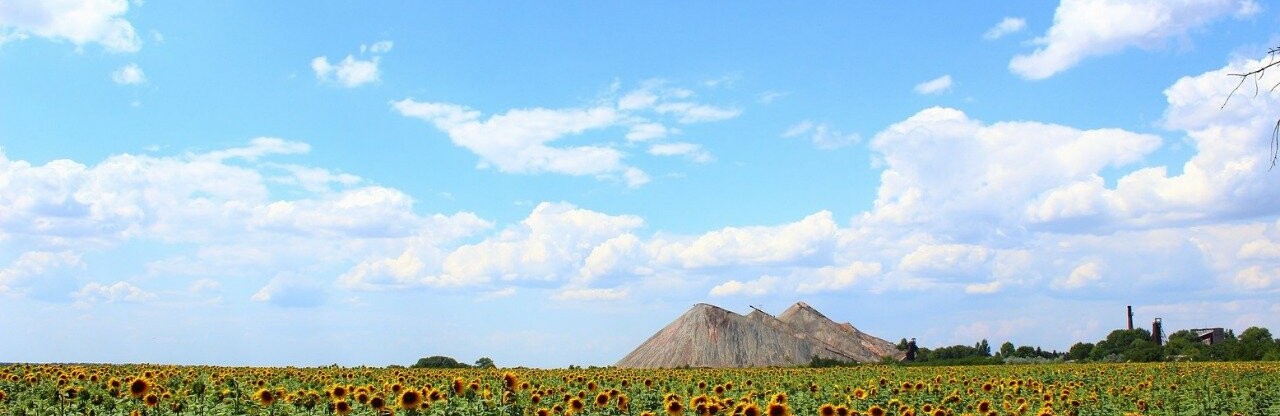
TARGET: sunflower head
(151,400)
(342,408)
(751,410)
(377,402)
(139,388)
(827,410)
(778,409)
(410,399)
(264,397)
(674,408)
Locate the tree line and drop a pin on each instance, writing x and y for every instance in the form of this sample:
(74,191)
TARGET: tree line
(1121,345)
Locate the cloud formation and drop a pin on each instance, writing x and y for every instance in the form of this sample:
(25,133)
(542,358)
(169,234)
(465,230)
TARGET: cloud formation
(934,86)
(352,72)
(523,140)
(79,22)
(1007,26)
(1088,28)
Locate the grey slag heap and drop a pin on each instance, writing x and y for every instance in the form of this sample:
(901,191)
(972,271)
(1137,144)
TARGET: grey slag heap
(709,336)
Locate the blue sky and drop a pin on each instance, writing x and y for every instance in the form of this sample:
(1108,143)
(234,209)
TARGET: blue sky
(546,184)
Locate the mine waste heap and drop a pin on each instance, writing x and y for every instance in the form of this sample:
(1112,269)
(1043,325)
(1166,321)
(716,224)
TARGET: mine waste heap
(709,336)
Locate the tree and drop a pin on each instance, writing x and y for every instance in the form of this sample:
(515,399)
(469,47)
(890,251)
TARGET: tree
(438,361)
(1256,74)
(485,362)
(1253,344)
(1006,349)
(1080,351)
(984,349)
(1118,342)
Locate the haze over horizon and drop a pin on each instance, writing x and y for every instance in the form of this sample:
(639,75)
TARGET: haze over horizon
(248,183)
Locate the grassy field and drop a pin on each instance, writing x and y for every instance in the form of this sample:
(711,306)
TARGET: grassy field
(1061,389)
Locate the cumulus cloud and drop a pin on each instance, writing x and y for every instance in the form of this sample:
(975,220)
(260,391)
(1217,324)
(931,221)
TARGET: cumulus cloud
(1088,28)
(934,86)
(129,74)
(1080,276)
(822,136)
(1007,26)
(692,151)
(116,292)
(597,294)
(978,181)
(32,265)
(292,291)
(545,247)
(79,22)
(758,245)
(352,72)
(836,278)
(759,287)
(523,140)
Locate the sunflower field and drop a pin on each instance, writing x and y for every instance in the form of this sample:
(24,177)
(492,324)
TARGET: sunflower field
(878,390)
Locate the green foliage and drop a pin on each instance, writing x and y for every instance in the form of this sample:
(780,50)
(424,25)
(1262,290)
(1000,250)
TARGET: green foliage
(485,362)
(438,361)
(1080,351)
(1006,349)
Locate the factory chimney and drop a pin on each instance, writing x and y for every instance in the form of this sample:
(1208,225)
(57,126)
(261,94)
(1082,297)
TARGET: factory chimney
(1130,317)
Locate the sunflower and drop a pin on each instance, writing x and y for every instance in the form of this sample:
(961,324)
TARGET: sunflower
(576,405)
(338,393)
(778,409)
(139,387)
(410,399)
(1,395)
(342,408)
(841,410)
(151,400)
(751,410)
(875,411)
(984,407)
(602,400)
(265,397)
(674,408)
(510,381)
(542,412)
(378,403)
(827,410)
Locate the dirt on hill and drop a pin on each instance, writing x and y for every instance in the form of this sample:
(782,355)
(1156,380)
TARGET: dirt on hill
(709,336)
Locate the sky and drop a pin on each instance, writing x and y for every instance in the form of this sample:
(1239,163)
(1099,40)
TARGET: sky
(273,183)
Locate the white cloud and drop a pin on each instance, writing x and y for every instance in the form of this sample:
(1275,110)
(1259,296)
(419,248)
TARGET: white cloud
(524,140)
(257,148)
(692,151)
(1007,26)
(33,264)
(646,131)
(378,48)
(759,287)
(117,292)
(547,246)
(596,294)
(945,257)
(983,288)
(768,97)
(291,290)
(1082,275)
(822,136)
(934,86)
(833,278)
(129,74)
(1256,278)
(759,245)
(972,180)
(350,72)
(79,22)
(1088,28)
